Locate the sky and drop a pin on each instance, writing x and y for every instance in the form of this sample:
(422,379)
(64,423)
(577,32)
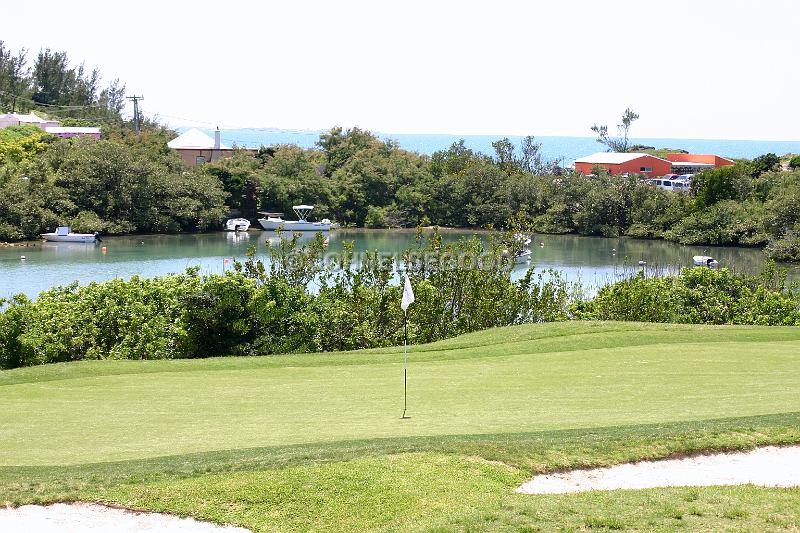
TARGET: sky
(703,69)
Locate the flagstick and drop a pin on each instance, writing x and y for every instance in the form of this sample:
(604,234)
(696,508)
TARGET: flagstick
(405,364)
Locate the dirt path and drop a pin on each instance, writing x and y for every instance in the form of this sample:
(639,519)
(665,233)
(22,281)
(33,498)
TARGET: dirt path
(93,518)
(769,466)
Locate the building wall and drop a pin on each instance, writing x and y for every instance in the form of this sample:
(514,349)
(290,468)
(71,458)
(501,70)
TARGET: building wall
(709,159)
(189,156)
(658,167)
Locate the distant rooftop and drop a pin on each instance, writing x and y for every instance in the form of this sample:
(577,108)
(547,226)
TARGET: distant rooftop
(30,118)
(55,130)
(194,139)
(612,158)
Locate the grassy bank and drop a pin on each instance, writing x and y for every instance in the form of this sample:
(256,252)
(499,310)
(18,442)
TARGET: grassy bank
(314,441)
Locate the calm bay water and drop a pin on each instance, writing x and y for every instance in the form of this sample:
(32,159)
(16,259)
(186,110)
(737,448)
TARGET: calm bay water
(590,259)
(569,148)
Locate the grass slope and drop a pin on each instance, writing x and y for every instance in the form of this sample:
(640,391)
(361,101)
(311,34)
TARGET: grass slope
(314,441)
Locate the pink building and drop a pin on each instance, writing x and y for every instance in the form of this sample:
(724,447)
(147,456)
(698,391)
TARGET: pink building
(18,119)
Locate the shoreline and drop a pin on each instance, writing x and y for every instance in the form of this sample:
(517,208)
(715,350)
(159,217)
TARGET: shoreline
(442,229)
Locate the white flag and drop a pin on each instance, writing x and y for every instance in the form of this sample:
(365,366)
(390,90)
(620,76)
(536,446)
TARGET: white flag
(408,295)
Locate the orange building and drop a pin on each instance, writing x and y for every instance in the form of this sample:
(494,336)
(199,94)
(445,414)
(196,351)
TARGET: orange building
(624,163)
(694,163)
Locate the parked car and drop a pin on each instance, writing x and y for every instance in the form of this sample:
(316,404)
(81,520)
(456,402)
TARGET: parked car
(677,185)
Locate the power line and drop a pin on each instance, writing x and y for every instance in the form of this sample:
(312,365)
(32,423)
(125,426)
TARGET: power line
(214,124)
(34,102)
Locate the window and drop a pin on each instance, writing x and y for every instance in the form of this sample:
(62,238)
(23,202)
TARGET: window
(645,169)
(199,160)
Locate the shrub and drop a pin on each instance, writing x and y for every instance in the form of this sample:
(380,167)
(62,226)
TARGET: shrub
(794,163)
(216,316)
(695,296)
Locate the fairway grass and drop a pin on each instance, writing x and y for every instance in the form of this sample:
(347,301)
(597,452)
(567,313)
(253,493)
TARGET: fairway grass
(315,442)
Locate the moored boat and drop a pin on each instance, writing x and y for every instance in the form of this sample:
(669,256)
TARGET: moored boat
(705,260)
(237,224)
(274,222)
(65,234)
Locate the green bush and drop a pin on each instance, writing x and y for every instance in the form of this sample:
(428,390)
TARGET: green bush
(217,316)
(794,163)
(695,296)
(258,309)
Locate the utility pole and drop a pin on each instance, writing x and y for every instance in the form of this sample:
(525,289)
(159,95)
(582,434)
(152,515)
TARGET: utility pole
(136,111)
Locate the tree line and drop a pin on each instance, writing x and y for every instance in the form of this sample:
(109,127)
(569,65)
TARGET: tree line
(51,82)
(357,179)
(129,183)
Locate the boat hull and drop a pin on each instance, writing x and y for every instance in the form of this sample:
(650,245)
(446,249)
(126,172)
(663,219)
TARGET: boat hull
(704,260)
(293,225)
(237,224)
(76,237)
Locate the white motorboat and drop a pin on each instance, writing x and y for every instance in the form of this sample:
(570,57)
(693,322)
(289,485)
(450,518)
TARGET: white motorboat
(237,224)
(705,260)
(274,222)
(65,234)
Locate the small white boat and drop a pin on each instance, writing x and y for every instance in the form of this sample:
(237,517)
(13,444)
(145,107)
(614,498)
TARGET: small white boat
(274,222)
(237,224)
(705,260)
(64,234)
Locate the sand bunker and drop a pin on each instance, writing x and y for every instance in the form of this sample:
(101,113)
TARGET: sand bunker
(91,518)
(770,466)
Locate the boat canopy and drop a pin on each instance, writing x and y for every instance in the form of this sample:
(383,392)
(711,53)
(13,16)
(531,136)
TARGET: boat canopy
(302,211)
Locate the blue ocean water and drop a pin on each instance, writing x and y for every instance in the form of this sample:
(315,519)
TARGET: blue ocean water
(568,148)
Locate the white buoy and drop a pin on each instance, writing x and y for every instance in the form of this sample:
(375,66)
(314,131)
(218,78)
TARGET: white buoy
(642,263)
(22,258)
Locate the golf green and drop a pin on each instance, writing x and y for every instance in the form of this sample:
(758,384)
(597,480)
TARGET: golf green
(520,379)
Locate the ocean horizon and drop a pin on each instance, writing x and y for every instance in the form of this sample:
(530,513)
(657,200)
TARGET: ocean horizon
(553,147)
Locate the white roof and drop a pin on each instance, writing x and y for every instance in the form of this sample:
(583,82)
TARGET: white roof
(194,139)
(613,158)
(29,118)
(71,129)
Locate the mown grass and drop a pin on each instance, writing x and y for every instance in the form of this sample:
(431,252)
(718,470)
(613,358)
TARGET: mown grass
(434,492)
(315,441)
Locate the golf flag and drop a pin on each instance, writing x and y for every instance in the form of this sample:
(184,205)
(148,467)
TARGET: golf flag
(408,295)
(408,299)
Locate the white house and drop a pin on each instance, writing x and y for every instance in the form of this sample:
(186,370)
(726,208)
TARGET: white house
(196,148)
